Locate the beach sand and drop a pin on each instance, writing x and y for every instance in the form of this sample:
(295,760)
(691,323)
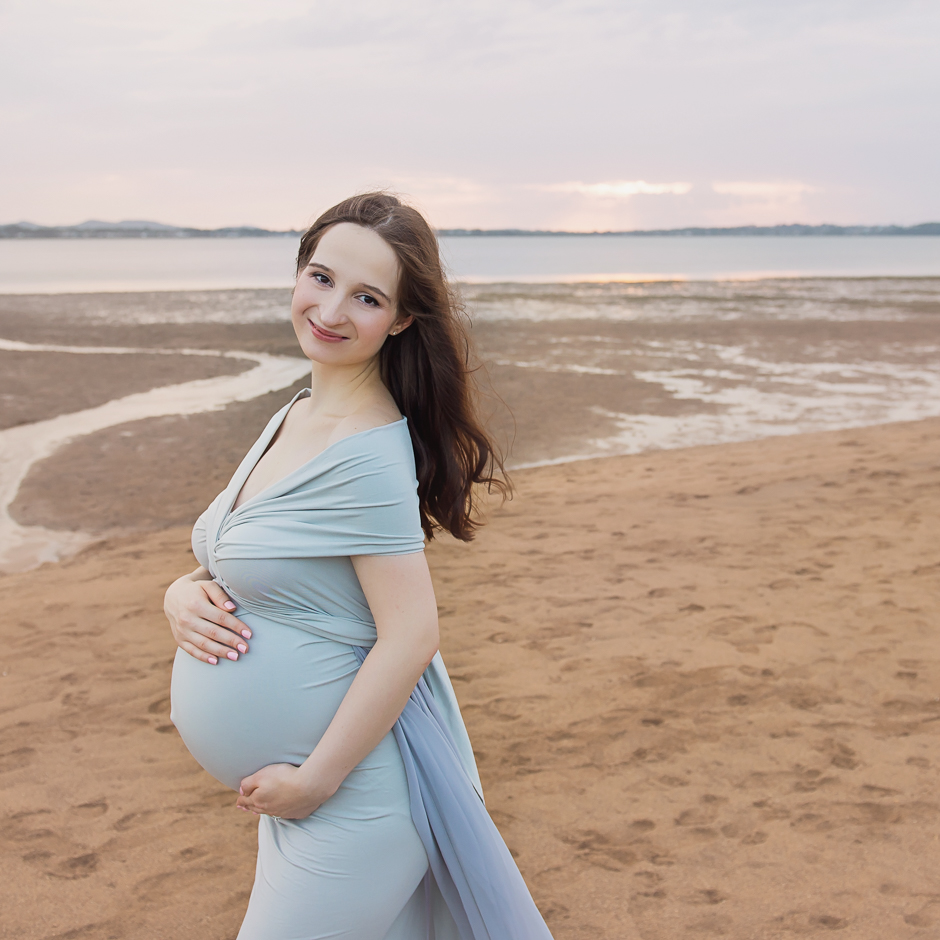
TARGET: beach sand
(702,686)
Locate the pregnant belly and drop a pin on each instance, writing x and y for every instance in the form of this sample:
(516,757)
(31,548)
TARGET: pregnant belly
(271,706)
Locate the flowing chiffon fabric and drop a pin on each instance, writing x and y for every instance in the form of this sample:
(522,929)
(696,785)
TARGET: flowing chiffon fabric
(405,849)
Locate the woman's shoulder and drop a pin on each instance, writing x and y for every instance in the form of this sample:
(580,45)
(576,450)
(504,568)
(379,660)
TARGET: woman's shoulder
(371,417)
(373,429)
(373,448)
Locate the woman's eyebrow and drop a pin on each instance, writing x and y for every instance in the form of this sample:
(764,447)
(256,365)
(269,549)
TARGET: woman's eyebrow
(368,287)
(375,290)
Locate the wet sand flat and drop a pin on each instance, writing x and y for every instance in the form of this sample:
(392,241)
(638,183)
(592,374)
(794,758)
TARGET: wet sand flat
(552,390)
(35,386)
(702,685)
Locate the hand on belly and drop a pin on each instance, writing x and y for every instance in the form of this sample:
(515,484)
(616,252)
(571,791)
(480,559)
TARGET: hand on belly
(279,790)
(270,707)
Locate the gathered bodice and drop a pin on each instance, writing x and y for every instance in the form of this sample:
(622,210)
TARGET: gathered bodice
(285,553)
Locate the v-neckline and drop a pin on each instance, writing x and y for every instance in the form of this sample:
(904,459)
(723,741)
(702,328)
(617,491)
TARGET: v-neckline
(303,393)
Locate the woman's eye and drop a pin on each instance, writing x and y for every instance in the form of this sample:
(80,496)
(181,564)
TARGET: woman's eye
(369,300)
(321,278)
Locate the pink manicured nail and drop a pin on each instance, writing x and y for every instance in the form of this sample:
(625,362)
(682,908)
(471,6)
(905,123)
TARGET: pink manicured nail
(246,634)
(242,648)
(232,655)
(212,660)
(229,605)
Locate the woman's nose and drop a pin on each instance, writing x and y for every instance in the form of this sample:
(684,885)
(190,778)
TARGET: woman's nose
(331,311)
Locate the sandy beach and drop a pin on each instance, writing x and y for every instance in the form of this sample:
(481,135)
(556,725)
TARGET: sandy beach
(701,682)
(701,685)
(680,262)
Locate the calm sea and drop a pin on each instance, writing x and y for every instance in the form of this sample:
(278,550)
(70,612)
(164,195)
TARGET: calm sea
(88,265)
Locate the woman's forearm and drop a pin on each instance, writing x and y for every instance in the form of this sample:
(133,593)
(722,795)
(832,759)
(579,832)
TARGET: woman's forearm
(370,708)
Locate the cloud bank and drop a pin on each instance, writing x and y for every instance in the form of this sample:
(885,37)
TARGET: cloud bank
(571,114)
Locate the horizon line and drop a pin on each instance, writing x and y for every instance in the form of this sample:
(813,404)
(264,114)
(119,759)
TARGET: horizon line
(149,229)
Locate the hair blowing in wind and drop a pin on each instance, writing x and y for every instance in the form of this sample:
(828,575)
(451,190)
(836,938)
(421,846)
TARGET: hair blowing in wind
(427,367)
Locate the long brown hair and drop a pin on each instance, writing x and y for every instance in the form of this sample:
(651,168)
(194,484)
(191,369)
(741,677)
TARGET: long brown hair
(426,367)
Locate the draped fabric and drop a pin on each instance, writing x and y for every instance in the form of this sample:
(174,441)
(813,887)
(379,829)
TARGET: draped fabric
(474,871)
(284,556)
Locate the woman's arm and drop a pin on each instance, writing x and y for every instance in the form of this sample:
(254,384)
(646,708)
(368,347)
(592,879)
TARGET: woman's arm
(401,597)
(198,611)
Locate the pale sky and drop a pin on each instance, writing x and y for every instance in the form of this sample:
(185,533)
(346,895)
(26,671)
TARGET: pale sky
(487,113)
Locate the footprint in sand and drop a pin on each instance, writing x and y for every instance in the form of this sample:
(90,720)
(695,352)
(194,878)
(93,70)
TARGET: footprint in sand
(599,850)
(16,759)
(926,916)
(90,810)
(805,922)
(135,820)
(79,866)
(44,848)
(706,896)
(160,707)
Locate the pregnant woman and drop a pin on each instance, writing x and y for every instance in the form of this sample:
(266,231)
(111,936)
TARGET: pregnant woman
(339,727)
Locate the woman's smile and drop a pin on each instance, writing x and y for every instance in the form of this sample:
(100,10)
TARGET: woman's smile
(325,335)
(346,296)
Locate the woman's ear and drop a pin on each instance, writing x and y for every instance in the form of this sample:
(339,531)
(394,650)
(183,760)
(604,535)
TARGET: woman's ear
(402,323)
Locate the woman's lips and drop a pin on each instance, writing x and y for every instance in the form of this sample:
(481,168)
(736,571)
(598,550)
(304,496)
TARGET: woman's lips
(325,335)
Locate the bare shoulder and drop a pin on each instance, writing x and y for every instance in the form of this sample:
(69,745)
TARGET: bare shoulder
(374,415)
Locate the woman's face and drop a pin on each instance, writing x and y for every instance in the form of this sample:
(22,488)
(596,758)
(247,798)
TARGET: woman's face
(345,302)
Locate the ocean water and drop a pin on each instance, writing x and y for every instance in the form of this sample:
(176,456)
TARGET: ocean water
(87,265)
(561,259)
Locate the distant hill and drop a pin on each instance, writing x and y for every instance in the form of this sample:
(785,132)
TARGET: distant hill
(132,229)
(93,225)
(144,229)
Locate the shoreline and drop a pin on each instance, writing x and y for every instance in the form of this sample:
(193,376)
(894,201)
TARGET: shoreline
(626,278)
(255,263)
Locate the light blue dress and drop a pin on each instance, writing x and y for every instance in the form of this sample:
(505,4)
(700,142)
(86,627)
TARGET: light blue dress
(404,850)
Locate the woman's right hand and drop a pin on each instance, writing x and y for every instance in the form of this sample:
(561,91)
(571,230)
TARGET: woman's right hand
(198,611)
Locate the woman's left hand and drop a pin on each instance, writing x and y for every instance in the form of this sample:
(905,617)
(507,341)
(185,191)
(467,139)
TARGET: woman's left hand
(279,790)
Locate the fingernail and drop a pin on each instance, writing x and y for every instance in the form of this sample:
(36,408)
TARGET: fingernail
(229,605)
(212,660)
(246,634)
(242,648)
(232,655)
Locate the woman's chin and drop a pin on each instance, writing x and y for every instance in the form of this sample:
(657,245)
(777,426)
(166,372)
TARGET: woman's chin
(334,354)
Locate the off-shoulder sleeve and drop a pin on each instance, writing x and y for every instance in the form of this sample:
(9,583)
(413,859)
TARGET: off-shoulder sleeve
(376,509)
(360,497)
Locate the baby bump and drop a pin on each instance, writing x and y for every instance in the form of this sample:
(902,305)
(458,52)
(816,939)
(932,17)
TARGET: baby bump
(271,706)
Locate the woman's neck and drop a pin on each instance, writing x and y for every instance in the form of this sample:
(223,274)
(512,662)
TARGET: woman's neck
(339,391)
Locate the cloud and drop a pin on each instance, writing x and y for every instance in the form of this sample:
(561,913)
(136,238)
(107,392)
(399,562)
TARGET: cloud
(215,112)
(618,189)
(790,189)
